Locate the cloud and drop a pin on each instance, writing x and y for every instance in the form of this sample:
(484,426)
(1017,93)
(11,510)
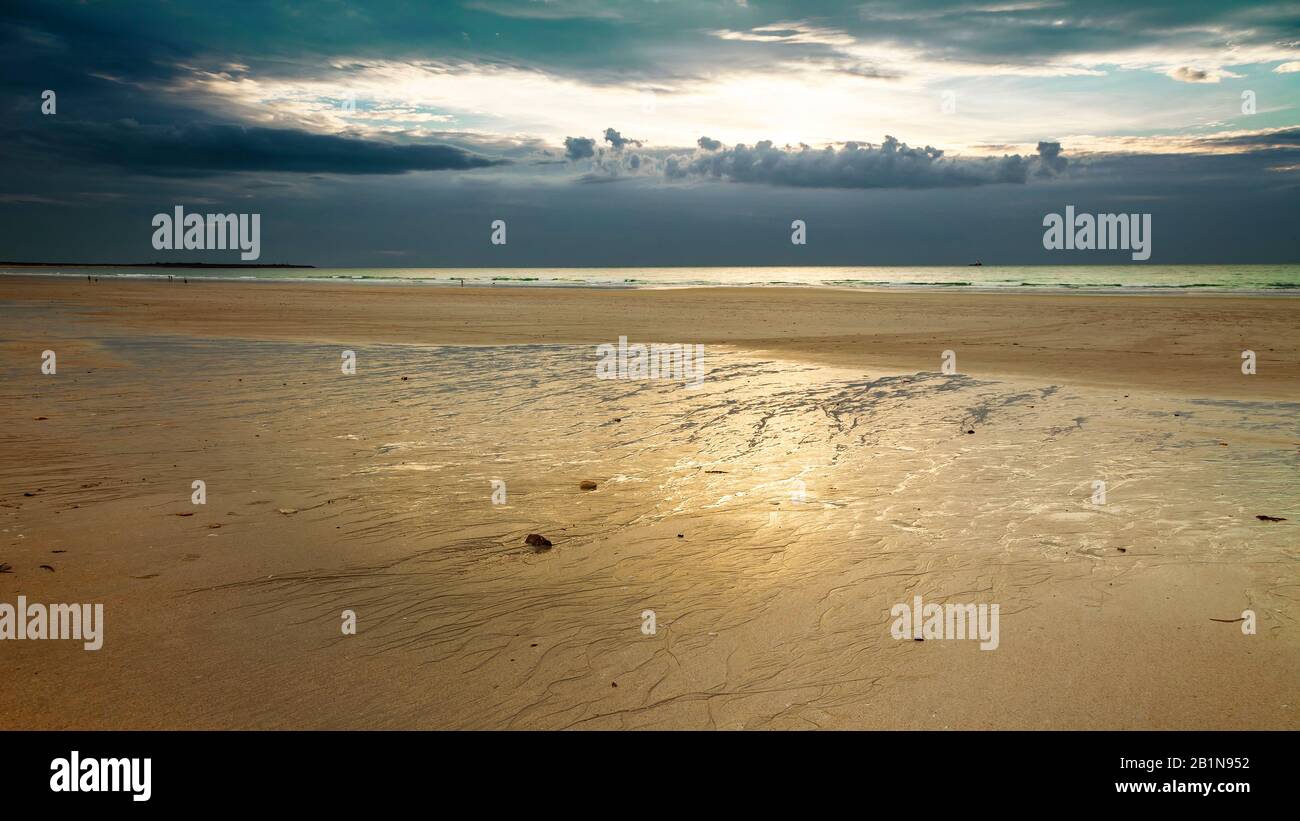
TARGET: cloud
(1049,155)
(1284,138)
(886,12)
(912,40)
(613,165)
(205,149)
(618,140)
(578,148)
(859,69)
(536,74)
(549,10)
(794,32)
(524,80)
(892,164)
(1187,74)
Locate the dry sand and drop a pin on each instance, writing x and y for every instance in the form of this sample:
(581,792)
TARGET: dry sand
(771,611)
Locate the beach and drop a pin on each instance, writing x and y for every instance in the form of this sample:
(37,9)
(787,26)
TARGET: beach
(833,464)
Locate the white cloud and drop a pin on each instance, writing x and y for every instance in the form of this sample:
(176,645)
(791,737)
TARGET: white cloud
(791,32)
(851,92)
(1190,74)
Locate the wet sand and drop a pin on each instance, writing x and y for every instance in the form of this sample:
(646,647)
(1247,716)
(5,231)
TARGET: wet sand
(771,519)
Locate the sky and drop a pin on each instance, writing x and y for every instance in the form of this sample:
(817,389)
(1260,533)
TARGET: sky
(650,132)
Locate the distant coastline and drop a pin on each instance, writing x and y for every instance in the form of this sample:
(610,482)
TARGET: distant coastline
(1272,280)
(148,265)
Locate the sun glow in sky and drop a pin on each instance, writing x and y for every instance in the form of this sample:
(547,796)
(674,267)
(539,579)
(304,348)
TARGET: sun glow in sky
(882,89)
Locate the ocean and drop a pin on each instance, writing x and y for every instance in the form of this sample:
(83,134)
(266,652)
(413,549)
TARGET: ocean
(1125,278)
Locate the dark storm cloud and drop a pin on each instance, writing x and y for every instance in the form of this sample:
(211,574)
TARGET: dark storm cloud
(618,140)
(1187,74)
(114,75)
(1204,173)
(94,168)
(612,164)
(1049,154)
(642,221)
(892,164)
(579,148)
(617,42)
(1039,31)
(204,149)
(1287,137)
